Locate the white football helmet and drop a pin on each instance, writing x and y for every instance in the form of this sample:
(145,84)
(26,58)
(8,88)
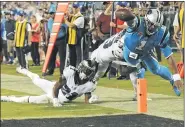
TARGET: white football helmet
(153,21)
(86,69)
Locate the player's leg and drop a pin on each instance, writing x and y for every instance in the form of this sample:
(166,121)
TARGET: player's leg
(44,84)
(26,99)
(101,70)
(133,79)
(153,65)
(27,73)
(62,98)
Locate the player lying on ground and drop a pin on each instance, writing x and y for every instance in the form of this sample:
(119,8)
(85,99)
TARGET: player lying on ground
(111,50)
(142,35)
(73,84)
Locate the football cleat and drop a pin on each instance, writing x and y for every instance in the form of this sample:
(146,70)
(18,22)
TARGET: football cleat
(176,90)
(93,99)
(5,99)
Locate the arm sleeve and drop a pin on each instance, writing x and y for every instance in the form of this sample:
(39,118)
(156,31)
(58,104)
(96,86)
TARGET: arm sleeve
(79,22)
(175,22)
(68,71)
(28,27)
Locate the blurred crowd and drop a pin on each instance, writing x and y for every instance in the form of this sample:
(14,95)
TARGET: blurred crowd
(26,29)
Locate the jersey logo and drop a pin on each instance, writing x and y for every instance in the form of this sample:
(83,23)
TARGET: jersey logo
(133,55)
(140,47)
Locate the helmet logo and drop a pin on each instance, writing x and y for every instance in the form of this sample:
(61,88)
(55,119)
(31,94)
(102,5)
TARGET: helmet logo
(153,21)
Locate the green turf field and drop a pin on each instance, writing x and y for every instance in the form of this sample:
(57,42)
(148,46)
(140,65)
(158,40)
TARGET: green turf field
(115,97)
(20,111)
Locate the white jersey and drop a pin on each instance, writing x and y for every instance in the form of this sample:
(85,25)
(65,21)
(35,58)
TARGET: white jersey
(71,90)
(105,53)
(108,51)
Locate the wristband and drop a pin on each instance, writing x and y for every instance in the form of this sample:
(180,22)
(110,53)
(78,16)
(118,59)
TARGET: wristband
(176,77)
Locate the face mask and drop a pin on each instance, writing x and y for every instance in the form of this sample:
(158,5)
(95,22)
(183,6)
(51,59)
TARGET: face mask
(151,28)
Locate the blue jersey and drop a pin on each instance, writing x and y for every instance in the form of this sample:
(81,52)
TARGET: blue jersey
(138,45)
(136,40)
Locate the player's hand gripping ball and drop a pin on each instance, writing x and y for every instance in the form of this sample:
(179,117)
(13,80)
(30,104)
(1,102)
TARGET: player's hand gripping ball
(125,14)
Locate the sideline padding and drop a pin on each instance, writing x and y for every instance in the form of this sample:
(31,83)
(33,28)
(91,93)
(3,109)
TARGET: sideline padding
(59,17)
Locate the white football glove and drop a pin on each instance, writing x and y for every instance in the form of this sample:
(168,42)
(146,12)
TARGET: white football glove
(56,102)
(93,99)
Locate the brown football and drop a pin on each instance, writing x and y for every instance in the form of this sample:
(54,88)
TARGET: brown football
(124,14)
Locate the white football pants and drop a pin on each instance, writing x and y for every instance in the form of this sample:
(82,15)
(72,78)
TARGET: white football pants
(45,85)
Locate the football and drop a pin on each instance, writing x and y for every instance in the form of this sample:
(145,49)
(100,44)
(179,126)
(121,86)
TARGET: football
(124,14)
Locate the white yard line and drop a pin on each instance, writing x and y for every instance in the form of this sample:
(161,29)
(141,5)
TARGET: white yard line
(161,105)
(60,116)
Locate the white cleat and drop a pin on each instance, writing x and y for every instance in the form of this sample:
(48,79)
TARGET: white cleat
(32,75)
(5,99)
(149,99)
(93,99)
(23,71)
(18,69)
(26,72)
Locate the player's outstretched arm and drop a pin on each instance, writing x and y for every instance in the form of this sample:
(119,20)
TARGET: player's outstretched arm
(167,52)
(56,88)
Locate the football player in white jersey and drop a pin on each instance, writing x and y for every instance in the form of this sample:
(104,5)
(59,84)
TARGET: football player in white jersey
(74,83)
(111,51)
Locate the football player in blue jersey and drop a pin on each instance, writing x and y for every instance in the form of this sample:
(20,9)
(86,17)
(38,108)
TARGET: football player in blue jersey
(142,35)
